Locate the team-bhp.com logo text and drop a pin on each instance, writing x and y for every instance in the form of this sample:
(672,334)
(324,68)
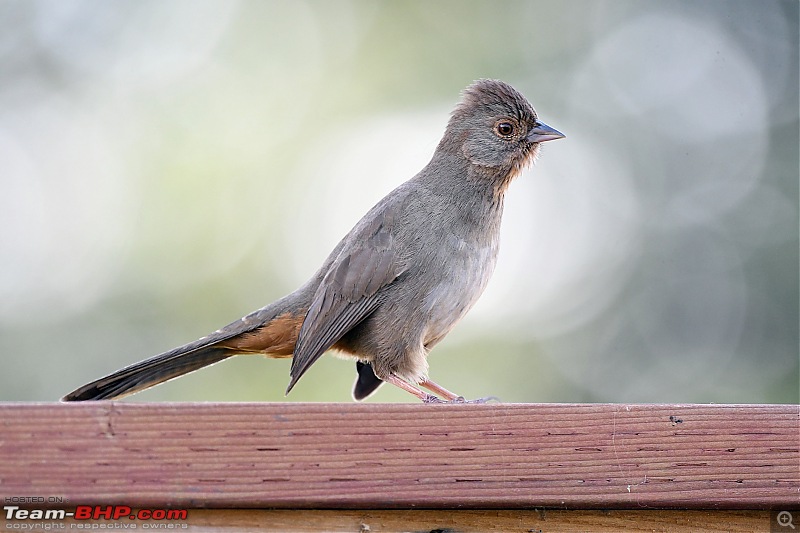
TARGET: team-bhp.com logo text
(91,513)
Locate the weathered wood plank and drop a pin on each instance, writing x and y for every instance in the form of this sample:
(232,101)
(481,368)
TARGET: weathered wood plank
(387,456)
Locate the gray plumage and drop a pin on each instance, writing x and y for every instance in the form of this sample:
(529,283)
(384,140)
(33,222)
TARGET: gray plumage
(407,272)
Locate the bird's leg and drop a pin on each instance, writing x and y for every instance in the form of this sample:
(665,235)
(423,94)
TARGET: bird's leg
(452,397)
(422,395)
(433,387)
(440,391)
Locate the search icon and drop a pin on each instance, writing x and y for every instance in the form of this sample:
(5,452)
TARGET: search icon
(785,519)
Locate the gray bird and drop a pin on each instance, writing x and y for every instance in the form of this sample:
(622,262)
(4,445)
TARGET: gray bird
(400,280)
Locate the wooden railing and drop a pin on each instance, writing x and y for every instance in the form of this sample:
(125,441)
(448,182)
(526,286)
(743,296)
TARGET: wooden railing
(372,467)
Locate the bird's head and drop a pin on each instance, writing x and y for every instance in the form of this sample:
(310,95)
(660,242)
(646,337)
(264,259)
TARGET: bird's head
(496,129)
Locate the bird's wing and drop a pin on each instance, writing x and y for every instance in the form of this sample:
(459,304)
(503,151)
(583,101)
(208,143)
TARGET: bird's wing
(350,289)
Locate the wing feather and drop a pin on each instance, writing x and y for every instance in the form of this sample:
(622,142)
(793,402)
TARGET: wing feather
(350,290)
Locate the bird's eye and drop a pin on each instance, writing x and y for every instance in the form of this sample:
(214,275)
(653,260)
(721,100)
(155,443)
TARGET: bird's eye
(504,128)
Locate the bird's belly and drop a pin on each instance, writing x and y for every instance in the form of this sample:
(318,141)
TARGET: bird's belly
(467,275)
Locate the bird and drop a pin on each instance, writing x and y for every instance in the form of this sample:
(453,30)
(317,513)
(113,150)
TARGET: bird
(403,276)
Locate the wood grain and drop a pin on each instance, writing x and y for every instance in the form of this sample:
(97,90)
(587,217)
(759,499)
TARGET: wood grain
(389,456)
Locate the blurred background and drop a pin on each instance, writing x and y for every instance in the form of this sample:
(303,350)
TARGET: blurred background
(167,167)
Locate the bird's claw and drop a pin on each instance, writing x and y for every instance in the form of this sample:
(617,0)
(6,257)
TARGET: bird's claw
(430,398)
(487,399)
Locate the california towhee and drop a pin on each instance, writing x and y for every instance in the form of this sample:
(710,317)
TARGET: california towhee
(400,279)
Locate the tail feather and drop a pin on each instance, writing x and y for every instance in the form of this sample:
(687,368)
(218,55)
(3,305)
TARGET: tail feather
(271,330)
(147,373)
(168,365)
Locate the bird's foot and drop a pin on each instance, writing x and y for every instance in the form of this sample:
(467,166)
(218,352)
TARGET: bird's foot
(487,399)
(430,398)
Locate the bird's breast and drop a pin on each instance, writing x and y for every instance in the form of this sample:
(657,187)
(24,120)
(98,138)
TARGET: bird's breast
(467,268)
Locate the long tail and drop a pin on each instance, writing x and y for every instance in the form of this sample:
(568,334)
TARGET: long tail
(148,373)
(271,331)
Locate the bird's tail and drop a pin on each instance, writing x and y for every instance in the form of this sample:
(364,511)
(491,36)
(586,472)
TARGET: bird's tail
(271,331)
(147,373)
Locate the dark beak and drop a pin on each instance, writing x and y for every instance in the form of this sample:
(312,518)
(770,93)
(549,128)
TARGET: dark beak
(541,132)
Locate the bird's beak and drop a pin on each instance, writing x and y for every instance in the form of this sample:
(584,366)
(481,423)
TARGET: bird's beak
(541,132)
